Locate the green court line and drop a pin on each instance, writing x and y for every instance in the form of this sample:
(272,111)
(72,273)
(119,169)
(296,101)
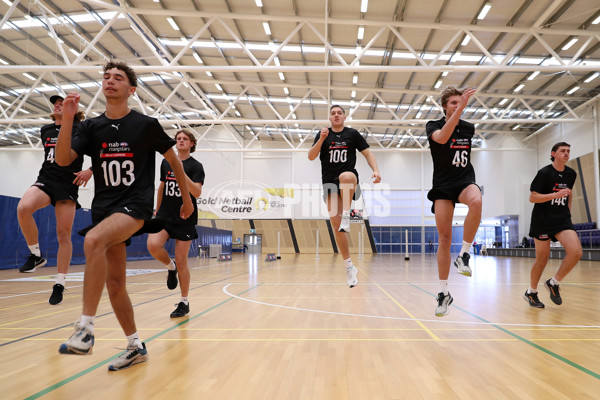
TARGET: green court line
(522,339)
(104,362)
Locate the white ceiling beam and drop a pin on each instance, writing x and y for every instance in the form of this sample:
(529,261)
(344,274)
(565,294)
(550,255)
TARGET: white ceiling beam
(142,69)
(320,21)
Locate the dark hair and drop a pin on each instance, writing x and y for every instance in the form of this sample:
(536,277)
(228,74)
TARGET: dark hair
(80,116)
(123,67)
(556,146)
(337,106)
(448,92)
(191,136)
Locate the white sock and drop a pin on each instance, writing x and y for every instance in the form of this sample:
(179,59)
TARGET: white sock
(35,249)
(465,248)
(185,300)
(530,290)
(88,321)
(134,339)
(444,286)
(348,263)
(60,278)
(171,266)
(554,281)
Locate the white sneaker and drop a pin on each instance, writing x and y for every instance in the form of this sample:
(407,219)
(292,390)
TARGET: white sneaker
(351,273)
(133,355)
(462,264)
(80,342)
(443,303)
(345,223)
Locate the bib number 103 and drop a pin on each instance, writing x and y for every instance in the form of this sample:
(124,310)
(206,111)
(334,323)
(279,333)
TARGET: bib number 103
(460,159)
(118,173)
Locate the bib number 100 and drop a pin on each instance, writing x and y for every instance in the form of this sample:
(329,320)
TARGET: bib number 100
(118,173)
(337,155)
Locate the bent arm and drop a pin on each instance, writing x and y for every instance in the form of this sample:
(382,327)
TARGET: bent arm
(536,197)
(159,195)
(195,187)
(63,153)
(315,150)
(370,157)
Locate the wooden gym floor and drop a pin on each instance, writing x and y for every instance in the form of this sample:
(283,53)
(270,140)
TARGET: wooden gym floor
(292,329)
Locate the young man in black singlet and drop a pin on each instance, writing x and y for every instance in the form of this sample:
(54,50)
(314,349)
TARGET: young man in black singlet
(336,148)
(58,186)
(453,182)
(551,193)
(122,144)
(168,204)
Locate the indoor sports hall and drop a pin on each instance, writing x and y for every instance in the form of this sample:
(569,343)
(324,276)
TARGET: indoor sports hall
(271,314)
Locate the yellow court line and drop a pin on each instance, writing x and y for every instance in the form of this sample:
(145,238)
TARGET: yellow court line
(566,330)
(433,335)
(63,310)
(469,340)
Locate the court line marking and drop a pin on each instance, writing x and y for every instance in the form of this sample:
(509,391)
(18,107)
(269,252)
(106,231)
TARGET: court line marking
(529,342)
(227,292)
(101,315)
(106,361)
(433,335)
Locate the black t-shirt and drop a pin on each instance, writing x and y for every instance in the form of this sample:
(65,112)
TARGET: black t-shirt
(50,169)
(338,152)
(549,180)
(122,153)
(171,202)
(451,160)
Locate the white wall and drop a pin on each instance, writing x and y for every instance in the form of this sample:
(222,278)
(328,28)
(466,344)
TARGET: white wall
(504,174)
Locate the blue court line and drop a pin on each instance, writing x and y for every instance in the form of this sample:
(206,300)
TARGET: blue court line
(111,312)
(106,361)
(522,339)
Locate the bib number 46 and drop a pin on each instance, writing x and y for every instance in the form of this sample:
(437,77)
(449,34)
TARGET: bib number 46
(460,159)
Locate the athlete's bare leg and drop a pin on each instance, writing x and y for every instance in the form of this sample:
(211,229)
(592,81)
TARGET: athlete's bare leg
(444,212)
(65,214)
(570,241)
(113,230)
(542,253)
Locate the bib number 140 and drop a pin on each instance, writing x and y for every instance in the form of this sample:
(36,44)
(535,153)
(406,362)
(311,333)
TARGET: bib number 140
(460,159)
(117,173)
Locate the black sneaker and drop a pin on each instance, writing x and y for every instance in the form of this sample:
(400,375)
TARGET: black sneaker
(533,300)
(181,310)
(172,278)
(554,293)
(32,263)
(57,294)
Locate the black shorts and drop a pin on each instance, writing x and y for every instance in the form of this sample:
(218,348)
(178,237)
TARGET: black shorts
(133,210)
(58,191)
(334,187)
(543,231)
(448,192)
(181,232)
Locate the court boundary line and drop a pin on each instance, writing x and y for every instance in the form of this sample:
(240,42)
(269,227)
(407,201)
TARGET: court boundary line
(401,318)
(112,312)
(529,342)
(70,379)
